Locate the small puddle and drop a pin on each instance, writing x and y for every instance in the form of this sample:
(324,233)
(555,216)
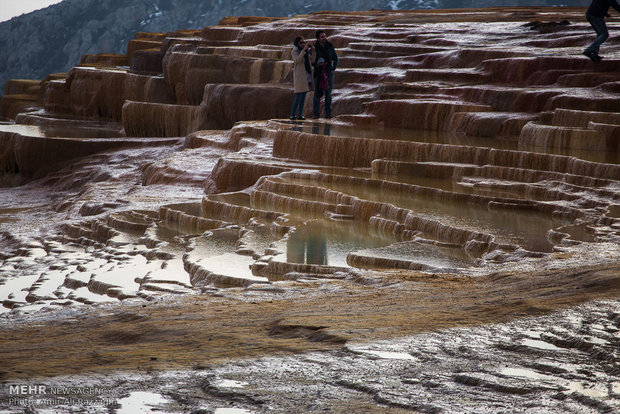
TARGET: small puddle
(14,288)
(231,265)
(140,402)
(215,252)
(526,373)
(49,283)
(540,345)
(215,243)
(123,276)
(232,411)
(84,295)
(594,390)
(226,383)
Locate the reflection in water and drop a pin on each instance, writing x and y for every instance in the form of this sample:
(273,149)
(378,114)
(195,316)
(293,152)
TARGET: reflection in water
(315,129)
(296,126)
(327,129)
(307,246)
(299,126)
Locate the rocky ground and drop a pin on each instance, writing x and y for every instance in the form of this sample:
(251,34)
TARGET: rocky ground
(396,342)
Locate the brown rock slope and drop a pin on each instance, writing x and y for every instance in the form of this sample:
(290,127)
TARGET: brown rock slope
(464,141)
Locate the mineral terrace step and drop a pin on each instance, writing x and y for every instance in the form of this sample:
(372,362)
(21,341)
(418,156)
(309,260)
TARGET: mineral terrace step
(235,213)
(129,221)
(32,154)
(301,206)
(209,272)
(420,113)
(191,223)
(235,173)
(534,135)
(423,169)
(360,152)
(391,49)
(521,70)
(587,79)
(386,167)
(491,124)
(507,98)
(580,119)
(446,75)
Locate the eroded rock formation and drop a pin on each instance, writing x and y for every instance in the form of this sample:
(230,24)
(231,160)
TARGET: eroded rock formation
(461,139)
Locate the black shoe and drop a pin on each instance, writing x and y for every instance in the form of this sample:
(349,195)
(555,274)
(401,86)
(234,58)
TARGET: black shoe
(593,56)
(301,118)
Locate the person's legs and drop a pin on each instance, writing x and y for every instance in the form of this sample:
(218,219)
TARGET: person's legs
(302,102)
(316,101)
(328,96)
(602,34)
(296,104)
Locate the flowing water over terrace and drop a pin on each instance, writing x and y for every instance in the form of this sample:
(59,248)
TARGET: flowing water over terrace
(306,221)
(361,131)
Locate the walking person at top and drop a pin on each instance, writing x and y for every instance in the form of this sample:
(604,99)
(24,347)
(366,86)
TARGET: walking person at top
(596,14)
(326,61)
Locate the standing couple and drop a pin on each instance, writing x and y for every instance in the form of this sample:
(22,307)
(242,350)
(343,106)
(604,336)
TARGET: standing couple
(318,76)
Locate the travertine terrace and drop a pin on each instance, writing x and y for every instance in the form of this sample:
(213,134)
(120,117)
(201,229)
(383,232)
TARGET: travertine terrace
(464,144)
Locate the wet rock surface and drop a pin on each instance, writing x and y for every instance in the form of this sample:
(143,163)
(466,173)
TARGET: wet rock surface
(448,242)
(564,362)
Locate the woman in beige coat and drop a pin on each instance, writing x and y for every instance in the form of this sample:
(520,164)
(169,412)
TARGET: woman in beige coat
(302,75)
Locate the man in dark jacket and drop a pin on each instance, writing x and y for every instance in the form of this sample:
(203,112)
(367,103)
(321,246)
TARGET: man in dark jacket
(596,14)
(326,61)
